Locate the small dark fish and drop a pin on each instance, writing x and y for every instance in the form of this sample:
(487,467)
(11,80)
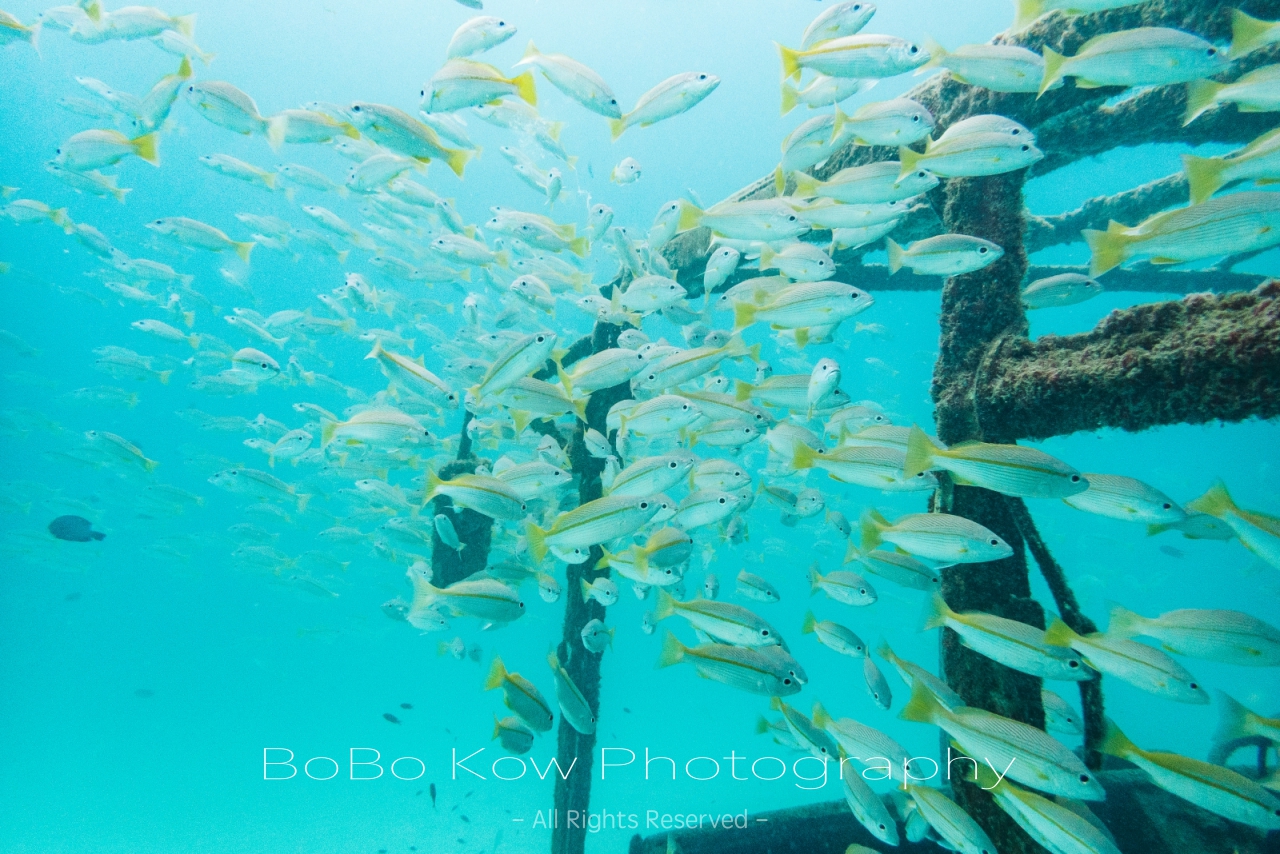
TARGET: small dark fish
(406,705)
(433,795)
(464,818)
(1172,552)
(71,597)
(390,717)
(144,693)
(625,709)
(74,529)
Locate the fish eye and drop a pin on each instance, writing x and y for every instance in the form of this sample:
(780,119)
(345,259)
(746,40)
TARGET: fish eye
(1167,506)
(722,501)
(914,49)
(1026,148)
(355,108)
(1075,478)
(792,218)
(882,827)
(1213,51)
(786,681)
(644,505)
(541,338)
(982,250)
(1194,686)
(994,541)
(502,23)
(1084,778)
(764,633)
(1073,664)
(915,118)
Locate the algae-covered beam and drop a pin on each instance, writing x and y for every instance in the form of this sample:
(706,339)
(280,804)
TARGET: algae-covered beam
(574,749)
(1130,207)
(1143,278)
(1203,358)
(475,530)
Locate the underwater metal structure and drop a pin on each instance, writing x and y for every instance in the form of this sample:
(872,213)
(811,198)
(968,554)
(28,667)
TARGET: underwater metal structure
(1214,355)
(1206,357)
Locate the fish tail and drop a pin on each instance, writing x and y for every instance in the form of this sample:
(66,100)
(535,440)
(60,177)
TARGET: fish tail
(530,52)
(497,727)
(502,258)
(1116,743)
(303,500)
(1247,33)
(580,246)
(149,465)
(923,707)
(1201,96)
(277,128)
(194,341)
(350,130)
(936,53)
(920,451)
(497,674)
(871,524)
(690,216)
(1124,623)
(520,419)
(586,590)
(120,193)
(803,457)
(672,651)
(779,180)
(742,390)
(1216,502)
(766,256)
(665,607)
(806,185)
(821,718)
(895,255)
(244,248)
(327,431)
(186,25)
(837,125)
(377,349)
(852,552)
(776,704)
(809,626)
(1027,11)
(1233,722)
(184,68)
(164,377)
(525,87)
(457,159)
(33,36)
(1204,176)
(1159,528)
(935,613)
(744,314)
(62,220)
(1059,634)
(762,725)
(815,580)
(537,542)
(790,62)
(1107,249)
(617,127)
(1053,62)
(146,147)
(790,97)
(909,158)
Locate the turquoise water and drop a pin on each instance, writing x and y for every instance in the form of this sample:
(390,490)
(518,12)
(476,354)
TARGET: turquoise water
(143,675)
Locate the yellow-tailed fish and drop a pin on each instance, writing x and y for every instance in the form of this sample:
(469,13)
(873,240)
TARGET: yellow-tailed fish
(803,306)
(1058,714)
(462,83)
(1059,829)
(671,97)
(1129,661)
(842,586)
(413,374)
(860,56)
(685,365)
(840,19)
(870,466)
(834,636)
(381,427)
(1224,225)
(998,67)
(479,492)
(1016,750)
(911,673)
(573,705)
(226,106)
(573,533)
(484,598)
(944,255)
(723,621)
(92,149)
(192,232)
(1219,790)
(520,696)
(740,667)
(1255,92)
(937,537)
(1236,721)
(519,359)
(1231,637)
(1258,532)
(574,79)
(898,567)
(1007,469)
(653,475)
(757,219)
(514,735)
(1249,33)
(809,735)
(1011,643)
(951,822)
(1146,56)
(1062,289)
(1258,161)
